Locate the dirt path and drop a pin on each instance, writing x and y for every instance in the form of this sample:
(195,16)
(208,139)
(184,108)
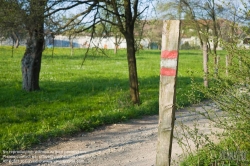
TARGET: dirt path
(127,144)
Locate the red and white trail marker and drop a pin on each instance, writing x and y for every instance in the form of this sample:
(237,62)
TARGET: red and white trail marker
(168,63)
(168,75)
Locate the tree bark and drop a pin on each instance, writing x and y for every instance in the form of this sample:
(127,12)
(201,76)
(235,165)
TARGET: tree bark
(31,61)
(117,42)
(205,65)
(71,44)
(15,39)
(133,79)
(115,49)
(128,32)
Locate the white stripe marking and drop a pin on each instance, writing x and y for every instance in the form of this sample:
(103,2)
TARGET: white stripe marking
(169,63)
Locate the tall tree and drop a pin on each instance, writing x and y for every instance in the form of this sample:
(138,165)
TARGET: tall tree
(236,27)
(31,61)
(126,13)
(30,16)
(123,14)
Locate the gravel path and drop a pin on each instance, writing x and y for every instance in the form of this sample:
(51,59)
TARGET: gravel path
(126,144)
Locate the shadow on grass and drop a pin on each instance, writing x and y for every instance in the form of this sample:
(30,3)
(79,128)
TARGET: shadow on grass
(13,95)
(150,52)
(79,54)
(54,112)
(190,52)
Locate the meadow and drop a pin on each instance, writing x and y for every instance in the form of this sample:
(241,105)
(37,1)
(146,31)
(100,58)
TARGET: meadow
(76,97)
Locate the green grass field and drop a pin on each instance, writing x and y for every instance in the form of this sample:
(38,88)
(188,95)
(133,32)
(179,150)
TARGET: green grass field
(79,98)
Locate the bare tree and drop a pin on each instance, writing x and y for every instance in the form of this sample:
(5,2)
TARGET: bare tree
(126,13)
(236,28)
(122,14)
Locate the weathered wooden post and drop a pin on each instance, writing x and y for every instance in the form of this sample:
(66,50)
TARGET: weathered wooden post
(168,74)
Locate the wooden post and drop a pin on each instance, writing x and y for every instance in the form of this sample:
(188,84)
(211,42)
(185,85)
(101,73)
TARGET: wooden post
(205,66)
(168,74)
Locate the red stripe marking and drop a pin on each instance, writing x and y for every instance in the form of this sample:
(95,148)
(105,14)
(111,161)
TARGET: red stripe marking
(168,72)
(169,54)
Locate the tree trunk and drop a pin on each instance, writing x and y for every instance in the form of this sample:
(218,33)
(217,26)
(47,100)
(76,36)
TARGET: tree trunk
(15,39)
(15,42)
(205,65)
(117,42)
(115,49)
(215,38)
(71,45)
(133,79)
(31,61)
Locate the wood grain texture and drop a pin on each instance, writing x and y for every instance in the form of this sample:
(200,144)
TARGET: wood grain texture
(170,43)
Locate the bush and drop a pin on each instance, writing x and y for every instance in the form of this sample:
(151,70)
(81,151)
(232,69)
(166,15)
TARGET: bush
(231,96)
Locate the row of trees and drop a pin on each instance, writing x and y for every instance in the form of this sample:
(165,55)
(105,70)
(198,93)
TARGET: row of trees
(32,17)
(209,20)
(213,22)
